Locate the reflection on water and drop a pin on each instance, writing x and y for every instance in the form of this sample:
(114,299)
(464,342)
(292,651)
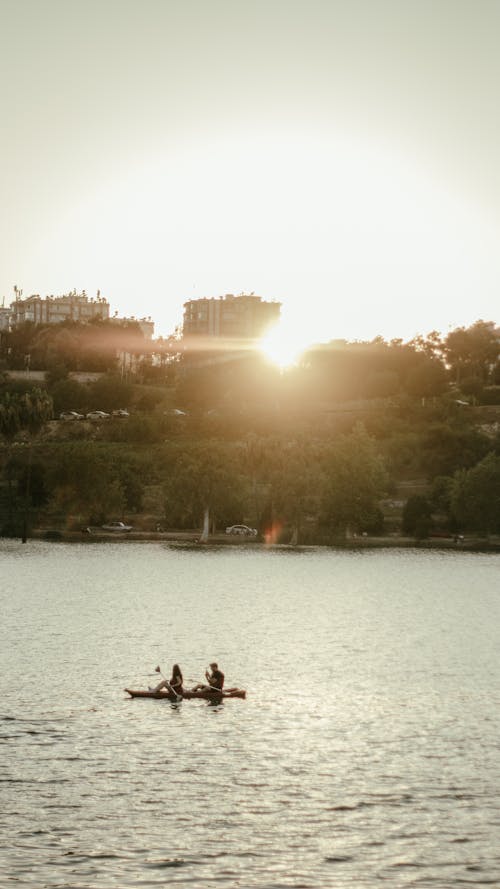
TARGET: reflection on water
(366,752)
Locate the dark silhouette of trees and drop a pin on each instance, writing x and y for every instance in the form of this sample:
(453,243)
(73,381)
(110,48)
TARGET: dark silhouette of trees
(475,496)
(417,516)
(473,351)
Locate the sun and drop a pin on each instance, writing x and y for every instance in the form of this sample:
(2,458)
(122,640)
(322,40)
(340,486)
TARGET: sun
(283,347)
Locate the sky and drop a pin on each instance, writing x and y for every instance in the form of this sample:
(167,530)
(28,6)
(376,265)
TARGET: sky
(340,157)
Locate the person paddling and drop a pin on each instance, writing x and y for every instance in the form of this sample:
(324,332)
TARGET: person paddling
(215,680)
(174,684)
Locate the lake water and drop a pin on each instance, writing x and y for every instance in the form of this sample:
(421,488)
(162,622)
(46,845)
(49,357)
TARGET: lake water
(366,753)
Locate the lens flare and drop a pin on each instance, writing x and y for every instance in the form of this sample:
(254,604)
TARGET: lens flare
(283,347)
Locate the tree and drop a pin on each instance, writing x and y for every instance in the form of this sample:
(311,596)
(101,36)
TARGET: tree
(85,482)
(109,393)
(472,386)
(444,449)
(293,482)
(354,483)
(27,411)
(417,516)
(475,498)
(205,483)
(473,351)
(426,379)
(69,395)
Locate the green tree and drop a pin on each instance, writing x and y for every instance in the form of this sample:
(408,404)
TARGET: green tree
(444,449)
(473,351)
(475,498)
(26,411)
(85,483)
(354,482)
(293,483)
(69,395)
(417,516)
(427,379)
(204,485)
(472,386)
(441,492)
(110,393)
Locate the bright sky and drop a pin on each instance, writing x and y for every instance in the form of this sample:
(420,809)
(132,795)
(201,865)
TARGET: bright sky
(341,157)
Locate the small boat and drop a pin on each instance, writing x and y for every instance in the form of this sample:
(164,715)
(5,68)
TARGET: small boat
(201,695)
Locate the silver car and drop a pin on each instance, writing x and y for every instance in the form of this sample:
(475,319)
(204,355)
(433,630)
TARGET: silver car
(71,415)
(242,530)
(97,415)
(116,526)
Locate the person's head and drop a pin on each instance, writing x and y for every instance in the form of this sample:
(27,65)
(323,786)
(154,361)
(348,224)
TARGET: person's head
(214,666)
(176,671)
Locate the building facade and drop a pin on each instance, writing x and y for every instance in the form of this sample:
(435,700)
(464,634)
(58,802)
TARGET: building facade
(54,309)
(4,317)
(243,317)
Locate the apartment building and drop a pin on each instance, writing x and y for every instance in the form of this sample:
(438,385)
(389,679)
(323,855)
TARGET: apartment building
(242,317)
(54,309)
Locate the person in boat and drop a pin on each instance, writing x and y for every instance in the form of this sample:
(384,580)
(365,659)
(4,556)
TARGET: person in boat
(173,684)
(215,680)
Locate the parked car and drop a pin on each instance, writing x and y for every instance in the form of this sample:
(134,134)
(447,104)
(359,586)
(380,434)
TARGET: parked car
(71,415)
(175,412)
(243,530)
(116,526)
(97,415)
(121,413)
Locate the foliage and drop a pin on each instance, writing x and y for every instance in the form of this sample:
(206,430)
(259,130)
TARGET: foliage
(69,395)
(444,449)
(441,493)
(109,393)
(203,477)
(148,400)
(85,480)
(354,482)
(71,344)
(289,471)
(28,410)
(426,379)
(473,351)
(29,478)
(138,429)
(475,498)
(416,515)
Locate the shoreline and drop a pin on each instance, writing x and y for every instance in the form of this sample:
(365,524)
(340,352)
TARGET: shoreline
(192,538)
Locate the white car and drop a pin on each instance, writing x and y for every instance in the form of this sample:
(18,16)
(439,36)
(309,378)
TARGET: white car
(71,415)
(116,526)
(121,413)
(242,530)
(97,415)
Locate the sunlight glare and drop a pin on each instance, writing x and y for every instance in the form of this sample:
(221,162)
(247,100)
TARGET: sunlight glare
(283,345)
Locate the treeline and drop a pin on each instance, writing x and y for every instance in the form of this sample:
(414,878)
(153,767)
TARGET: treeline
(311,454)
(70,345)
(306,488)
(468,358)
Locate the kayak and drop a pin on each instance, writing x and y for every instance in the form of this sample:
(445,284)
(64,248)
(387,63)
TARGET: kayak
(202,695)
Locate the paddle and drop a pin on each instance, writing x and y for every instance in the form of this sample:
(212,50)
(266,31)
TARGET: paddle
(171,690)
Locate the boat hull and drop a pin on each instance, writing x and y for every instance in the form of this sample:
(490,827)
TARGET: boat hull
(202,695)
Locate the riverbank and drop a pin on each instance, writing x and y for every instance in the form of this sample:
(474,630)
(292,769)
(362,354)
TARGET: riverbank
(469,544)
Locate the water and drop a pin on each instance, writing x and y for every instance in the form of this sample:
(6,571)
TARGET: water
(366,753)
